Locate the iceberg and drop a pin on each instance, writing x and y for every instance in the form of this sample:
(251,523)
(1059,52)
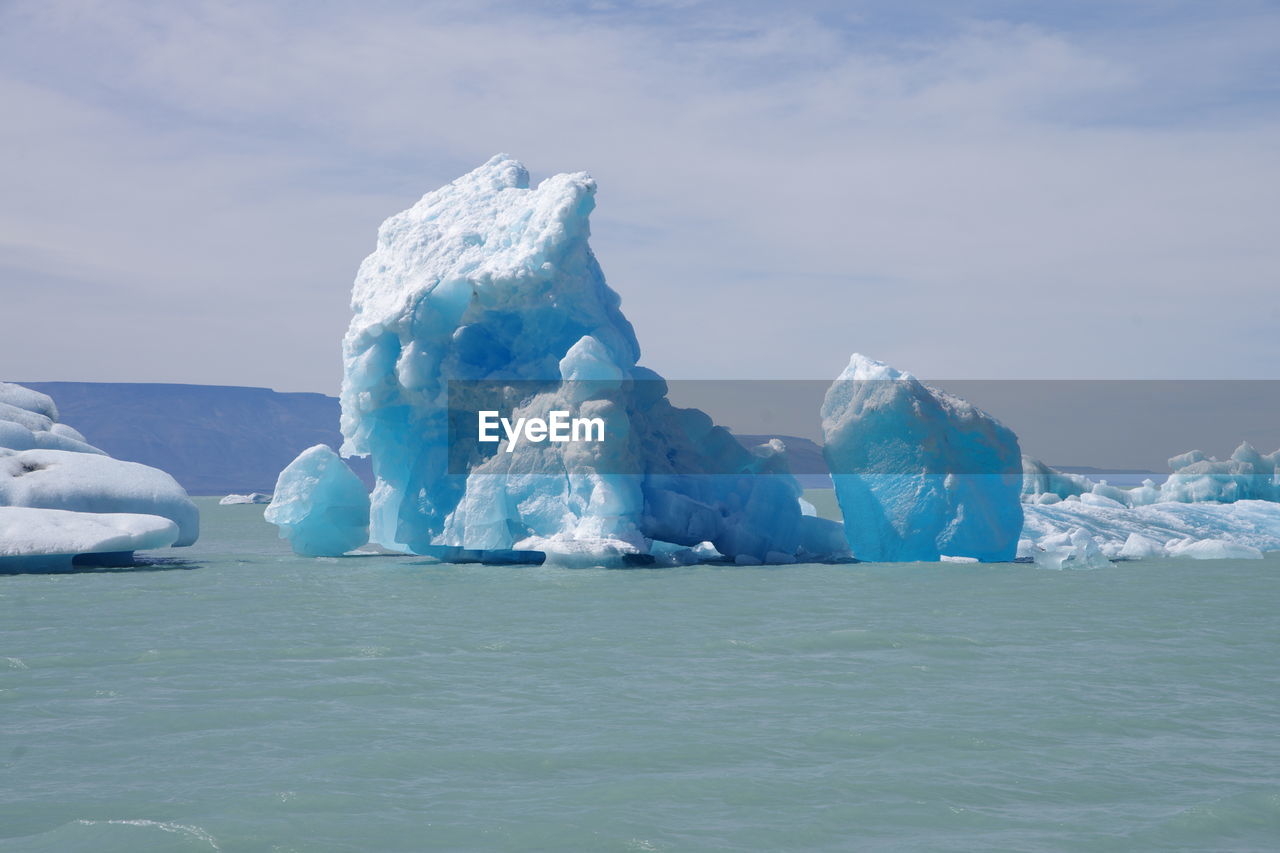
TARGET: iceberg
(486,291)
(320,505)
(251,498)
(918,472)
(64,498)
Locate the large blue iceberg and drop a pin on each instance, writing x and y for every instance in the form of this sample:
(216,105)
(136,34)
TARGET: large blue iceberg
(919,473)
(486,290)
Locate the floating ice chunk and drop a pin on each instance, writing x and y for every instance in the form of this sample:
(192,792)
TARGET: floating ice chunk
(1070,549)
(707,552)
(251,498)
(1087,554)
(50,538)
(919,472)
(807,508)
(947,558)
(320,505)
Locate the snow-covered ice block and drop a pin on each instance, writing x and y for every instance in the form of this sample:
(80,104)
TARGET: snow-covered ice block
(918,472)
(48,466)
(320,505)
(86,482)
(51,538)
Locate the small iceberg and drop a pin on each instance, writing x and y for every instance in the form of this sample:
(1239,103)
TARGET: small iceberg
(251,498)
(320,505)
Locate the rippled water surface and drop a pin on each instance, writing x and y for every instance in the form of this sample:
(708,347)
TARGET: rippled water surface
(245,699)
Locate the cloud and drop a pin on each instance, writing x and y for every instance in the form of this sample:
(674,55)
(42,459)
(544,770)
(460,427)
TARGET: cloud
(962,194)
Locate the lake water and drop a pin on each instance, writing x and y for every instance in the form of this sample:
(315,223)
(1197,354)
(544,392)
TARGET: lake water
(242,699)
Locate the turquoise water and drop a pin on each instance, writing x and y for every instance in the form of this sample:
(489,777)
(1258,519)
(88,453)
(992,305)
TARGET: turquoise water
(244,699)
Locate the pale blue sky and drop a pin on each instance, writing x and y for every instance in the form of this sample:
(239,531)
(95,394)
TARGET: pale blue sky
(983,190)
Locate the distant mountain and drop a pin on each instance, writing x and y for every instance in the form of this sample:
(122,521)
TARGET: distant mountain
(213,439)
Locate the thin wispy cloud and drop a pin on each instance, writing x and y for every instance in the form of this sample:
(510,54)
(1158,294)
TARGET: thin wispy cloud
(959,190)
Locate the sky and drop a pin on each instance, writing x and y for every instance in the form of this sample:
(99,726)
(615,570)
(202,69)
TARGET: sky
(980,190)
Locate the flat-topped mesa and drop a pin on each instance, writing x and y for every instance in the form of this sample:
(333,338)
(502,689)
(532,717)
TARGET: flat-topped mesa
(487,290)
